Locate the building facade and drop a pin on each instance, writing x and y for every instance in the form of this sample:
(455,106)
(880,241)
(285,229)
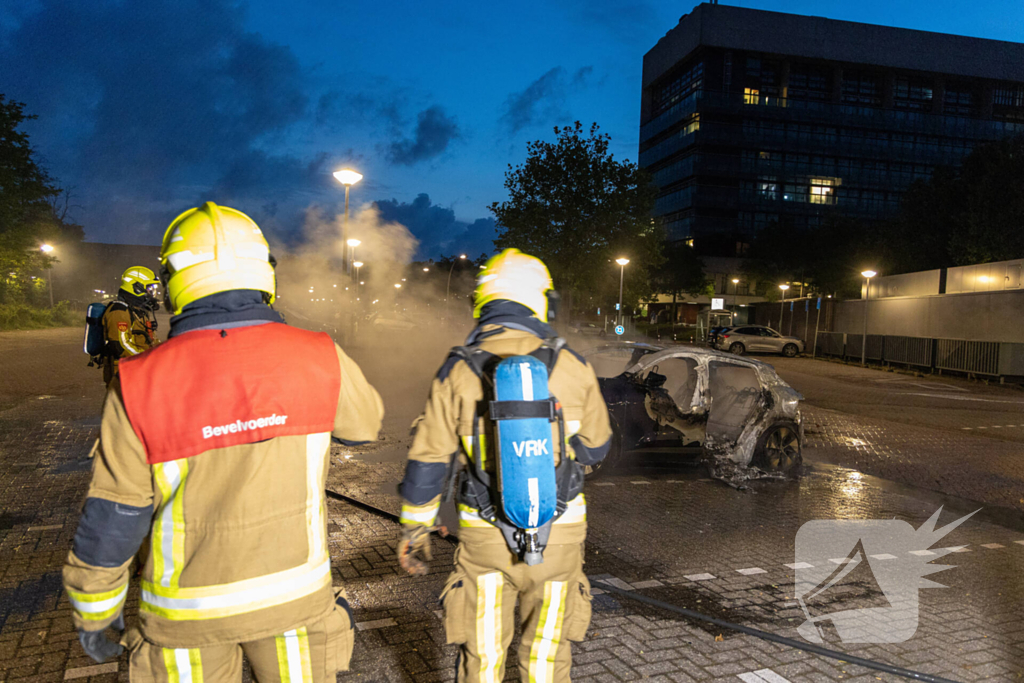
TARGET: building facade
(751,117)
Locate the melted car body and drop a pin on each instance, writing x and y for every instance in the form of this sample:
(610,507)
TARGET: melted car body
(734,412)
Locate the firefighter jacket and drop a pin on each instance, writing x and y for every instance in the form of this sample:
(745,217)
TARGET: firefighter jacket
(445,431)
(216,445)
(128,332)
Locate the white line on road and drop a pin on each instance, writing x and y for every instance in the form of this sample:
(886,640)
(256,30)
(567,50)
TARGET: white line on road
(884,556)
(750,571)
(921,553)
(800,565)
(700,577)
(82,672)
(376,623)
(762,676)
(992,546)
(963,398)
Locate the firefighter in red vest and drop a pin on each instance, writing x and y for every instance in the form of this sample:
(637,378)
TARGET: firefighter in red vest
(216,445)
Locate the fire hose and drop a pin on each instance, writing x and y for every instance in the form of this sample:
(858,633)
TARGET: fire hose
(698,616)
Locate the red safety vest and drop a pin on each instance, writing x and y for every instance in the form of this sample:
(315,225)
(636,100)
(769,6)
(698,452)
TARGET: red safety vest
(210,389)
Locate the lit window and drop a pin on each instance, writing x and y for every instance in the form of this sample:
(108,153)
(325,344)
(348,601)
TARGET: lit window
(768,188)
(822,190)
(751,96)
(688,241)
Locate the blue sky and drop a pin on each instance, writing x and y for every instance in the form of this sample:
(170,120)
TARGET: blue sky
(147,108)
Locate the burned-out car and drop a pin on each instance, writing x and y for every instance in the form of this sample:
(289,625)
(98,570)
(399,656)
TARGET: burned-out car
(734,413)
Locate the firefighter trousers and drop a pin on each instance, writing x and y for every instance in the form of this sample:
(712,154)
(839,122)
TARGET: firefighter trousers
(479,602)
(308,654)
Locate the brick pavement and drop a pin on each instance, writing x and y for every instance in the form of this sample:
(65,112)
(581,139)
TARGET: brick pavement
(672,536)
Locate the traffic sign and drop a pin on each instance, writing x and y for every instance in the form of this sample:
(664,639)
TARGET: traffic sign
(620,330)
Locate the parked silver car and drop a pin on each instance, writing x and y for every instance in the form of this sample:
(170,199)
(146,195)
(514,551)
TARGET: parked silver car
(758,339)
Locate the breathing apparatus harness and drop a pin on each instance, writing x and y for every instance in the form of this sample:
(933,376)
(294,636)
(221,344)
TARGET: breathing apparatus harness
(477,488)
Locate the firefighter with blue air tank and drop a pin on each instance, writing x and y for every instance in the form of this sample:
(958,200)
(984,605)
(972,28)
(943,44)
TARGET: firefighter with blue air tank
(512,419)
(215,446)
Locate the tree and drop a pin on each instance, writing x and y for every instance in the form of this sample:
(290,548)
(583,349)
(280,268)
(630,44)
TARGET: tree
(974,214)
(33,210)
(577,208)
(681,273)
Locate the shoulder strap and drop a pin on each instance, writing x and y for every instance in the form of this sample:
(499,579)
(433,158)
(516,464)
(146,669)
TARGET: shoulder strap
(547,352)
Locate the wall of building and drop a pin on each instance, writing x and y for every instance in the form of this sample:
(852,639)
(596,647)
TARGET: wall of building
(983,316)
(922,283)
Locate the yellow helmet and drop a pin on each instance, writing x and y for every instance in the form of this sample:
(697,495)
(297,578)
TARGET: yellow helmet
(137,280)
(213,249)
(514,276)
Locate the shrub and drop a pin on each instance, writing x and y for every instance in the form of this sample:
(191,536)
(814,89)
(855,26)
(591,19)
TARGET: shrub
(26,317)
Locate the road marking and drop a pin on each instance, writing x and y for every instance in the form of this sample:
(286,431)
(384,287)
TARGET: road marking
(439,613)
(604,483)
(82,672)
(46,528)
(921,553)
(750,571)
(676,481)
(1019,542)
(634,483)
(653,583)
(841,560)
(618,583)
(376,623)
(963,398)
(800,565)
(884,556)
(992,546)
(993,427)
(700,577)
(762,676)
(957,549)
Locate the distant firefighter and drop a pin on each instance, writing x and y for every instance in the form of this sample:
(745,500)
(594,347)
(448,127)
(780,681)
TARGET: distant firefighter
(216,445)
(523,415)
(129,327)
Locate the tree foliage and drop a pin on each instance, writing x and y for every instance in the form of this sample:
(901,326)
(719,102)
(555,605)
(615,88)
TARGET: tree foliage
(974,214)
(572,204)
(33,210)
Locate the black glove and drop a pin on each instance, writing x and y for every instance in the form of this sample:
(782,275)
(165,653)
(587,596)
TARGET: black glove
(98,646)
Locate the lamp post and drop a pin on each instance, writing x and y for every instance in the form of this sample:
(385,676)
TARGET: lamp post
(622,261)
(448,287)
(868,274)
(783,311)
(351,256)
(46,249)
(348,178)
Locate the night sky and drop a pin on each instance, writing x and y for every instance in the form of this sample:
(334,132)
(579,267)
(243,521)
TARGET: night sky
(147,108)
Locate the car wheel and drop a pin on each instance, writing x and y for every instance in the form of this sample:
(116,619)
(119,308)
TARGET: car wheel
(779,449)
(789,350)
(592,472)
(737,349)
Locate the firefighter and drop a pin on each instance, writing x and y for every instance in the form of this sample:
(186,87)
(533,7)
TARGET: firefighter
(512,300)
(216,444)
(128,323)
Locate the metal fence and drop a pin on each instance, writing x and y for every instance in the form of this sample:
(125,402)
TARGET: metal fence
(978,357)
(994,359)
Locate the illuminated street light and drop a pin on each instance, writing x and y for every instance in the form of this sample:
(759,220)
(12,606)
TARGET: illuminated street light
(350,254)
(348,178)
(782,313)
(868,274)
(448,287)
(622,261)
(46,249)
(398,285)
(426,270)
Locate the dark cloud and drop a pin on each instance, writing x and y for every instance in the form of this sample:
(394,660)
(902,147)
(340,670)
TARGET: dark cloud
(435,130)
(544,99)
(153,104)
(437,229)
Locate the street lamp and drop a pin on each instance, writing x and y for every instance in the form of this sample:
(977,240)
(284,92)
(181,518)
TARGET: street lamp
(351,255)
(622,261)
(448,287)
(46,249)
(357,265)
(348,178)
(868,274)
(735,290)
(783,311)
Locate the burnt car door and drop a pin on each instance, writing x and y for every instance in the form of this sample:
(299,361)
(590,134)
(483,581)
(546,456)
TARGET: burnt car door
(737,399)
